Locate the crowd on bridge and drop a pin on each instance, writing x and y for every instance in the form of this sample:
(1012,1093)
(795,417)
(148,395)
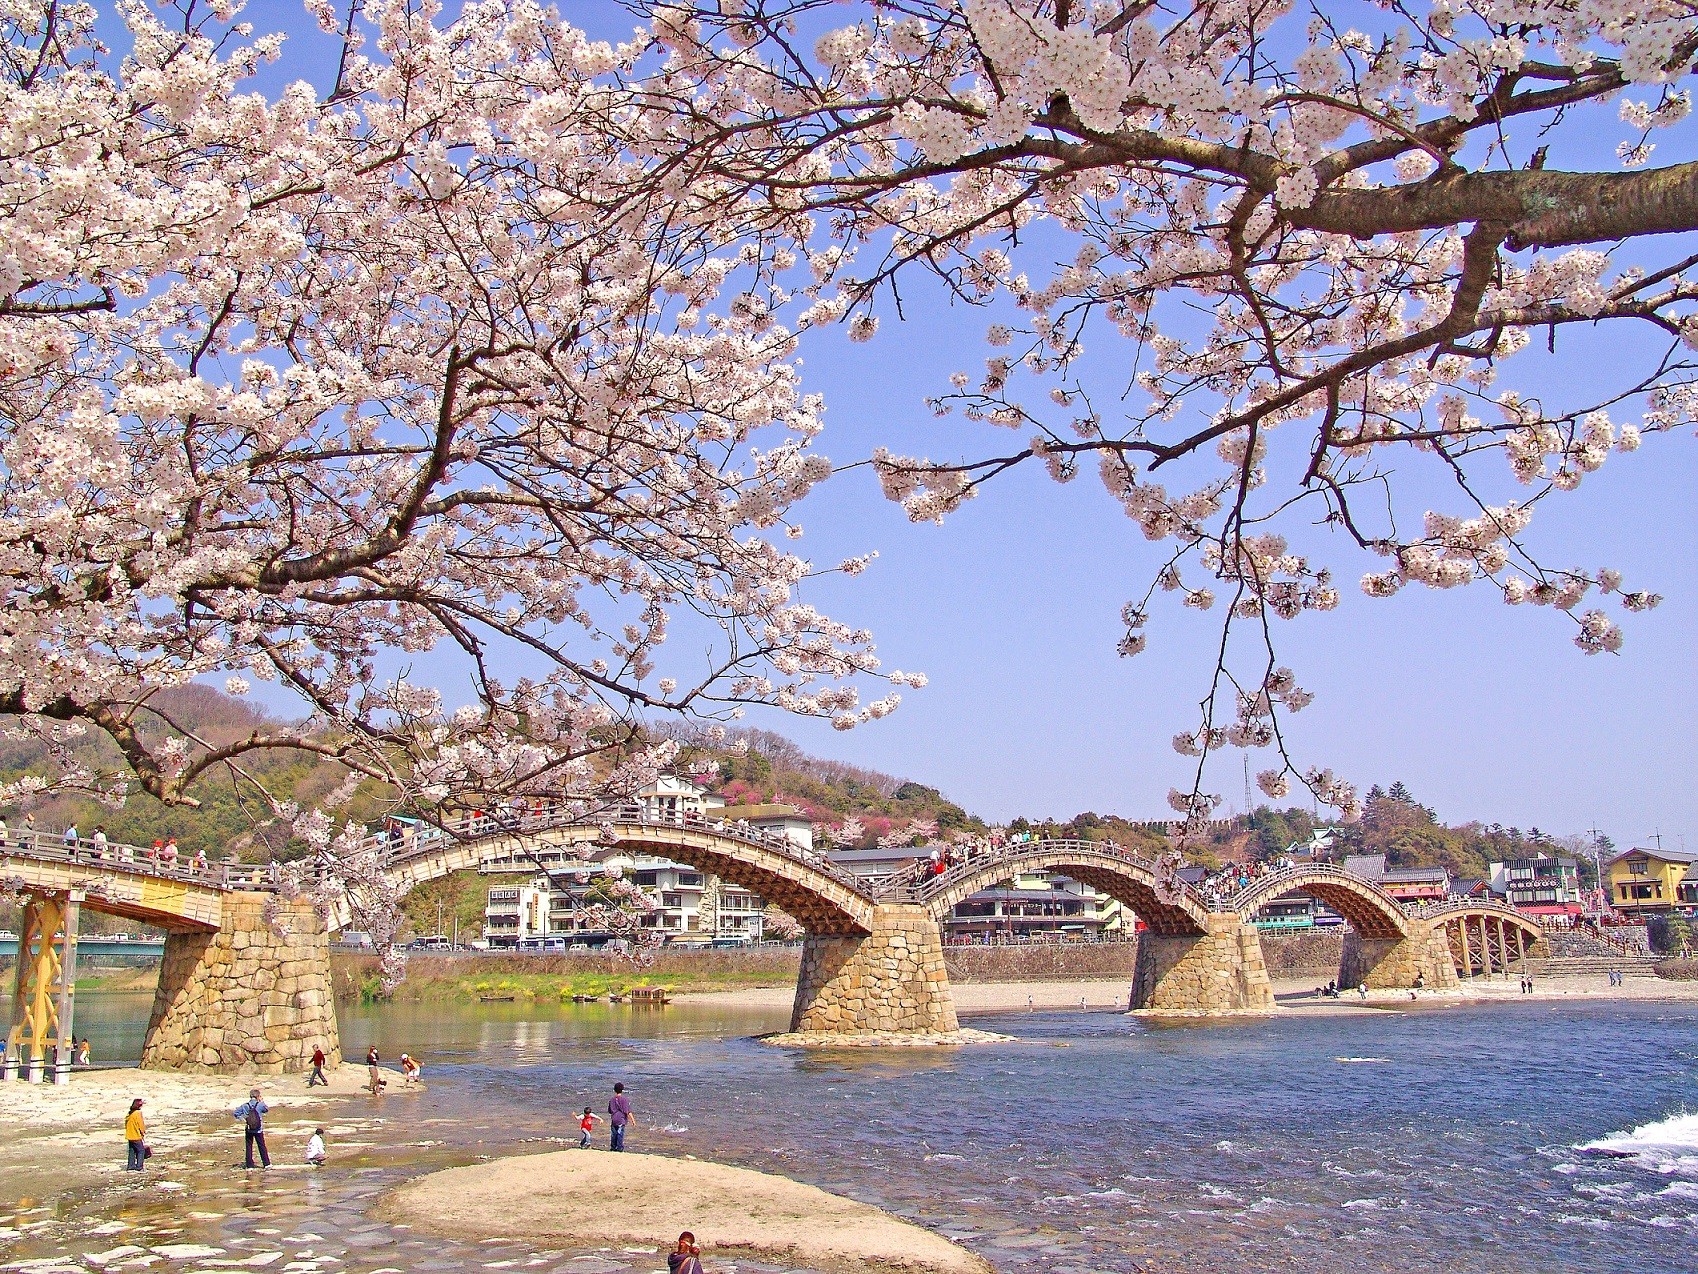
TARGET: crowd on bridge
(1218,886)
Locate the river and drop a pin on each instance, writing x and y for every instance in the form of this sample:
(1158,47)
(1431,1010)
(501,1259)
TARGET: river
(1465,1138)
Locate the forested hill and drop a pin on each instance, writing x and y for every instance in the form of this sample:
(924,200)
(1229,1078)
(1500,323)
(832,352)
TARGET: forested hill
(853,806)
(232,815)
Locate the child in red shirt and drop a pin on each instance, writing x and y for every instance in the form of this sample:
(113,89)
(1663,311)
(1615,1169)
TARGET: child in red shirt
(586,1125)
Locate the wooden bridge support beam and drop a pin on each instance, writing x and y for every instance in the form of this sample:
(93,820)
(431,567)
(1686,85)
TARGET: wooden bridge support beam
(888,981)
(39,1041)
(253,997)
(1383,964)
(1219,971)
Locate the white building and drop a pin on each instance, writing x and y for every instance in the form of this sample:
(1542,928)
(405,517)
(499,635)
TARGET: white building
(672,796)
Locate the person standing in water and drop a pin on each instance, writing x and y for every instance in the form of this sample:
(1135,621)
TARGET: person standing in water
(252,1115)
(373,1076)
(618,1115)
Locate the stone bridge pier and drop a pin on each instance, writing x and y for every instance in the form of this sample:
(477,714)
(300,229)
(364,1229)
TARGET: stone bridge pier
(248,997)
(1394,963)
(891,979)
(1218,971)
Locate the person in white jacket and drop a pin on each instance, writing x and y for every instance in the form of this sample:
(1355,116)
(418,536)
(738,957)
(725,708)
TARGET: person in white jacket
(315,1148)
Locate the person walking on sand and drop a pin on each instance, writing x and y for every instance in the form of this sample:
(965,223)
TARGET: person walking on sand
(318,1060)
(586,1126)
(135,1136)
(618,1115)
(686,1258)
(252,1114)
(315,1149)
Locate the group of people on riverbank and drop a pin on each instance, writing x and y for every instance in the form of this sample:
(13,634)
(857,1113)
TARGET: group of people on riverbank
(411,1071)
(619,1118)
(250,1114)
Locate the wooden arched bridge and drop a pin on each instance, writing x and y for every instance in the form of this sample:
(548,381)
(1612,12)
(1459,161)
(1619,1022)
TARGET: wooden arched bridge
(245,979)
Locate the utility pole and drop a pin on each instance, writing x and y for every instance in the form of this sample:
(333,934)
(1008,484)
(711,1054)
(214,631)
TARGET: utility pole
(1246,785)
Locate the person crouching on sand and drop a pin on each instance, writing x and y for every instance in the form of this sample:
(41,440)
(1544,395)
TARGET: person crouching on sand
(686,1258)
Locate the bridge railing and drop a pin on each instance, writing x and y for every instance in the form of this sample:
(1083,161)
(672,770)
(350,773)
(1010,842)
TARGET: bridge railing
(1456,906)
(1268,886)
(140,860)
(399,845)
(976,858)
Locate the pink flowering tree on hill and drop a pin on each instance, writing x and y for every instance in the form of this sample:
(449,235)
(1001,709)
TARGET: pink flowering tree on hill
(1310,241)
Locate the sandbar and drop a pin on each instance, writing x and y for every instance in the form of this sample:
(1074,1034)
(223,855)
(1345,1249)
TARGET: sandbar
(586,1198)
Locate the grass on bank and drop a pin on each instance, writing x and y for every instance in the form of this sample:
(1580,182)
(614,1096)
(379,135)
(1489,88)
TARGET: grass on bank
(542,979)
(542,987)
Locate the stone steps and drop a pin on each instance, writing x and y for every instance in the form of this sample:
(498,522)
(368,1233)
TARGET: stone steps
(1634,965)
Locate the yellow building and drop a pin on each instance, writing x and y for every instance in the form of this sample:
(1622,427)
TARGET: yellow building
(1643,881)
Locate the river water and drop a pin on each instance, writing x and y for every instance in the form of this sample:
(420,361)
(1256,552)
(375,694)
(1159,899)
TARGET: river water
(1504,1138)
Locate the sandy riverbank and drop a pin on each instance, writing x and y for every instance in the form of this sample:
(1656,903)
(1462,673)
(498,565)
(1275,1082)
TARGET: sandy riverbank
(564,1199)
(1292,993)
(970,997)
(61,1136)
(1298,994)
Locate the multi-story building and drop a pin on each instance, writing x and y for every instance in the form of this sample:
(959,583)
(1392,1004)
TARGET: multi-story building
(1646,881)
(1416,884)
(1540,885)
(1406,884)
(512,912)
(689,905)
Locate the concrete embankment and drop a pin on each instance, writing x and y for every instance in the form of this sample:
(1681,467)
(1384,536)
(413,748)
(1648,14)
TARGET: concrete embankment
(468,978)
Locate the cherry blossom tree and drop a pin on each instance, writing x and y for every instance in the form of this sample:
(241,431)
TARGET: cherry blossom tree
(778,925)
(295,390)
(847,834)
(1308,240)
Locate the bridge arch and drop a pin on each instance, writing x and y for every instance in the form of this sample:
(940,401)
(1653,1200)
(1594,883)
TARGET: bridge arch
(823,898)
(1484,936)
(1128,878)
(1368,909)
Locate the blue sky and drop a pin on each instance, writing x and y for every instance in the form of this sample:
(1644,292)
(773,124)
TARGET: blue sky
(1487,712)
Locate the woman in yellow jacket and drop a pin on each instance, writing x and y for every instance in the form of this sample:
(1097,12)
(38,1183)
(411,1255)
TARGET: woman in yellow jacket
(135,1132)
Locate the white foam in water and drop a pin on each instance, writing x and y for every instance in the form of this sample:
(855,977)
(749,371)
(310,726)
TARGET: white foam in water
(1668,1146)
